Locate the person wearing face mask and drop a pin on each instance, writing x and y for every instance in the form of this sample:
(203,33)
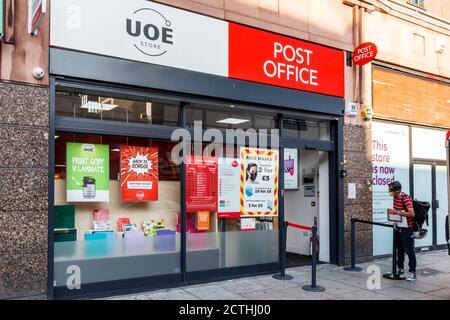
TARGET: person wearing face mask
(403,206)
(251,173)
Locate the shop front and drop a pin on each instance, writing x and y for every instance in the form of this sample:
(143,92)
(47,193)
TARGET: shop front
(408,145)
(180,143)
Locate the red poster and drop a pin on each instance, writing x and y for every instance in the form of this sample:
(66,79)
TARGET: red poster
(201,184)
(139,173)
(265,57)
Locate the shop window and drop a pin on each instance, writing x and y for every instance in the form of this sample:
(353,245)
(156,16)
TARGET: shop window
(116,208)
(150,111)
(419,3)
(228,117)
(218,216)
(306,129)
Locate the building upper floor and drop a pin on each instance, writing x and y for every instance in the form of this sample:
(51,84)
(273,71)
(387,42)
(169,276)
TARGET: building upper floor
(410,33)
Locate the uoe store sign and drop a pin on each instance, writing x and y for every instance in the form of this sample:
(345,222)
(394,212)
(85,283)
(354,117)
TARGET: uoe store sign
(153,33)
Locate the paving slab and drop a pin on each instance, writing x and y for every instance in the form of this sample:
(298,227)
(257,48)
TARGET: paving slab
(418,286)
(172,295)
(401,293)
(443,293)
(242,286)
(213,291)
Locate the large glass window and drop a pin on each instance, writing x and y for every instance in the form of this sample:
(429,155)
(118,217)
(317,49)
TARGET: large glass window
(117,208)
(306,129)
(222,232)
(150,110)
(229,117)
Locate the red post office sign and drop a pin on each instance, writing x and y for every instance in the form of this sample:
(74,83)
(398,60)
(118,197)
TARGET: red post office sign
(364,53)
(269,58)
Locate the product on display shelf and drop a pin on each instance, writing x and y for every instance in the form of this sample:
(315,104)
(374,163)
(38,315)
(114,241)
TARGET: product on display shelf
(101,220)
(101,214)
(151,228)
(103,225)
(129,227)
(122,221)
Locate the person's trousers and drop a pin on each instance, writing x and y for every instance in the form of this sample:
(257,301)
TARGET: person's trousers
(405,244)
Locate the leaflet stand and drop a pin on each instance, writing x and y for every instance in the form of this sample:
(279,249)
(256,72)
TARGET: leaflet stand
(394,274)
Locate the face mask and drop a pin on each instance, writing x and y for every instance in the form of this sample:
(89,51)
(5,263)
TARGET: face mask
(253,176)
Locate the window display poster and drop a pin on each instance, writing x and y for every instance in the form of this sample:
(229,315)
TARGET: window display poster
(201,183)
(248,224)
(259,182)
(138,173)
(87,172)
(290,169)
(203,220)
(390,162)
(228,190)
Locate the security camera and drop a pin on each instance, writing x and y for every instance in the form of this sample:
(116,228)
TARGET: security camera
(38,73)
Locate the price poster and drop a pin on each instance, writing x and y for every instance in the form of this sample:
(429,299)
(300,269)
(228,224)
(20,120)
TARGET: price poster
(259,182)
(201,183)
(229,188)
(139,173)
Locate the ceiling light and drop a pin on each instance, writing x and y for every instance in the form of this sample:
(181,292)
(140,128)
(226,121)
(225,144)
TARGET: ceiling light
(115,150)
(233,121)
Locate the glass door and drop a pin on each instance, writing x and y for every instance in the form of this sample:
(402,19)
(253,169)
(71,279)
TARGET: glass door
(430,184)
(423,191)
(441,203)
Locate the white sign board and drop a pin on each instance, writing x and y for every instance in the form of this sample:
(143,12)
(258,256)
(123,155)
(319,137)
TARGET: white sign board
(248,224)
(229,172)
(428,143)
(390,162)
(290,169)
(36,12)
(351,191)
(142,31)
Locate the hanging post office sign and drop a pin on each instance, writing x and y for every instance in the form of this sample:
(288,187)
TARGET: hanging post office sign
(364,53)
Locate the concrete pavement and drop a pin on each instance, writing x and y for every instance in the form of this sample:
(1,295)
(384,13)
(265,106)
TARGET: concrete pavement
(433,283)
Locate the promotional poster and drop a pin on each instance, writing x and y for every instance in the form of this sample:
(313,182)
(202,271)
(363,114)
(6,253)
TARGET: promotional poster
(139,173)
(229,193)
(290,169)
(87,172)
(390,162)
(259,182)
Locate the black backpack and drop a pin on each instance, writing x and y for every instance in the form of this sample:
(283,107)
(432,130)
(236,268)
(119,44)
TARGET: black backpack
(421,209)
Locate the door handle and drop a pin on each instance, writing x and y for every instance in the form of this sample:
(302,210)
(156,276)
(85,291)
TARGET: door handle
(435,204)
